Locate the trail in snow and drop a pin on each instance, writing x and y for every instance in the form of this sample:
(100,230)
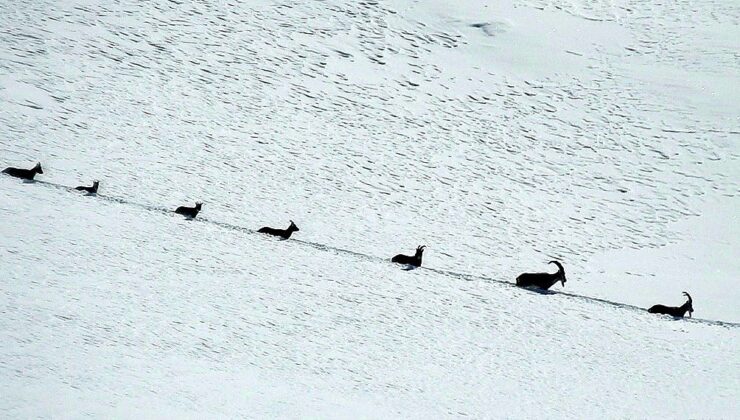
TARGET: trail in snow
(324,247)
(110,307)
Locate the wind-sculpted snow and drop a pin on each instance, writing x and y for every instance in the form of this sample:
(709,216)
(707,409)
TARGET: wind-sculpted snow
(501,136)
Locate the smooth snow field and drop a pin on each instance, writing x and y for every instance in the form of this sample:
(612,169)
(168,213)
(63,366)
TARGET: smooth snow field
(603,134)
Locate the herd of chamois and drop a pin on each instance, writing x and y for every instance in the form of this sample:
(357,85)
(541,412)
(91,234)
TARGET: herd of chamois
(537,280)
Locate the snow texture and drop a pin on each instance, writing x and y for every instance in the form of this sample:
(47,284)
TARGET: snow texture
(603,134)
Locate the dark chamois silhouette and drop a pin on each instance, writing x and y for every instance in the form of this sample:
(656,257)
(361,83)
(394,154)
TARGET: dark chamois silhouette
(542,280)
(90,190)
(24,173)
(190,212)
(414,260)
(283,233)
(675,311)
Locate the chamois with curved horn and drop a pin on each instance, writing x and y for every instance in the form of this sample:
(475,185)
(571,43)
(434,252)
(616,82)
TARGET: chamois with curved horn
(542,280)
(283,233)
(90,190)
(414,260)
(675,311)
(24,173)
(190,212)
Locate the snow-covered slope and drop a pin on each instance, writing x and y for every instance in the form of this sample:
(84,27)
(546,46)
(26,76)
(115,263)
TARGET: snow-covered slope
(603,134)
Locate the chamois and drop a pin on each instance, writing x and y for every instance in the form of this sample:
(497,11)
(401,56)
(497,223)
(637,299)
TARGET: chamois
(542,280)
(24,173)
(414,260)
(283,233)
(675,311)
(90,190)
(190,212)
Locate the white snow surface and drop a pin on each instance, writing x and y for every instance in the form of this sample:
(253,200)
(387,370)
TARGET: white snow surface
(603,134)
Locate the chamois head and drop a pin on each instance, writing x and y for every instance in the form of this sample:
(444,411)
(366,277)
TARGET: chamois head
(293,227)
(38,169)
(419,250)
(561,271)
(689,304)
(198,205)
